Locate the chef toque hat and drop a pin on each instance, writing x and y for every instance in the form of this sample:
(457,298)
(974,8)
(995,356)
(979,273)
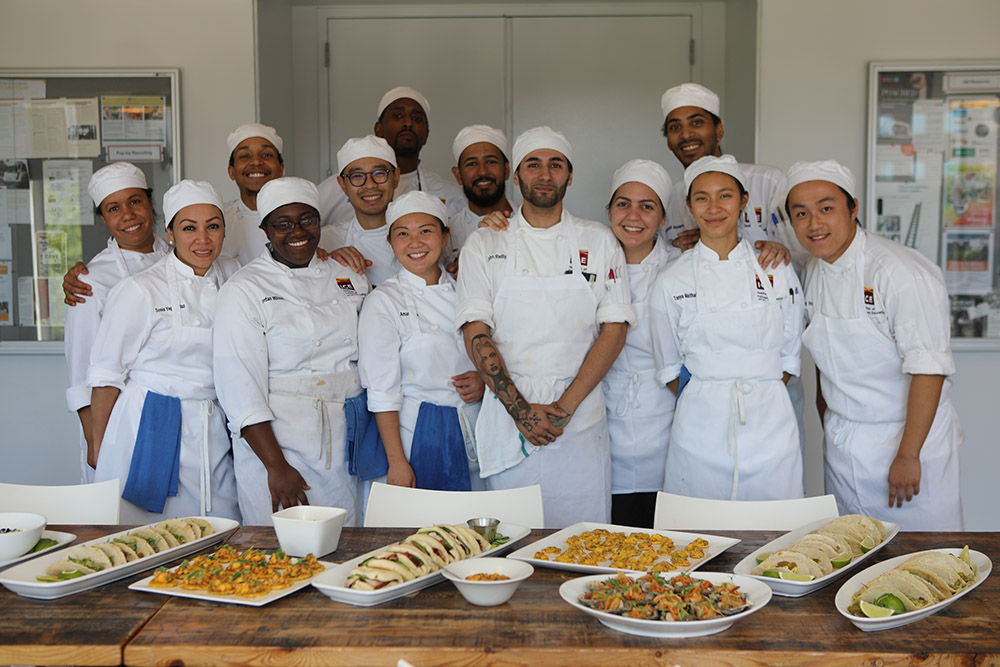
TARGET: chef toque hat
(400,92)
(287,190)
(825,170)
(360,147)
(473,134)
(186,193)
(416,201)
(725,164)
(689,95)
(116,176)
(244,132)
(540,137)
(648,173)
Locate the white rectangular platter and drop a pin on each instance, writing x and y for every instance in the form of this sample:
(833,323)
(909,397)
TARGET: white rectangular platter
(61,540)
(716,545)
(332,582)
(797,589)
(23,579)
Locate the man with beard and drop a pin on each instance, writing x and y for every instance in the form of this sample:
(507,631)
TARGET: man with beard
(548,297)
(254,159)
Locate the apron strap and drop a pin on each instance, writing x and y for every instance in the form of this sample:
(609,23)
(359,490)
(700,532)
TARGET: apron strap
(207,410)
(325,438)
(737,417)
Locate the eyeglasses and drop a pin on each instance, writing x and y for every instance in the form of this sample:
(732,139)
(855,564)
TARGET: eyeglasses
(285,226)
(359,178)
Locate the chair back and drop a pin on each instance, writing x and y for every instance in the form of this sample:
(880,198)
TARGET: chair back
(86,504)
(390,505)
(684,512)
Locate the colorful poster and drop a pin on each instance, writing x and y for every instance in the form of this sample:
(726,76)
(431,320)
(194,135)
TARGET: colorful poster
(131,122)
(968,195)
(6,294)
(968,261)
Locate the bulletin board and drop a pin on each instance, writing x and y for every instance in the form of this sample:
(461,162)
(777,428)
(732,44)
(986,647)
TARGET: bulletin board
(933,145)
(57,127)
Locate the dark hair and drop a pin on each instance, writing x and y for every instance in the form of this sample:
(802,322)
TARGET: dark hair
(232,162)
(715,122)
(847,195)
(743,190)
(149,193)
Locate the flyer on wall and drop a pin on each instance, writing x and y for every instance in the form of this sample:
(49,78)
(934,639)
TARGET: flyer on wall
(968,194)
(968,261)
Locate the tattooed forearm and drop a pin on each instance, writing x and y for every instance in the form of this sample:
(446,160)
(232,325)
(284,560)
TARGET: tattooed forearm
(488,361)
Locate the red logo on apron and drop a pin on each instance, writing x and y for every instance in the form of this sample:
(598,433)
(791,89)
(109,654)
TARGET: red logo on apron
(583,257)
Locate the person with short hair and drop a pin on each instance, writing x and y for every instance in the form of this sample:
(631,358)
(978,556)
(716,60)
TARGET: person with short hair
(254,159)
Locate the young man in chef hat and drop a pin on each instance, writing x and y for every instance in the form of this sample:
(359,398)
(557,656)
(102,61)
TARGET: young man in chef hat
(254,159)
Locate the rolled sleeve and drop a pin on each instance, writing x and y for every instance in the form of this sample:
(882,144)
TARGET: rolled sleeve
(82,323)
(615,302)
(379,344)
(793,315)
(474,289)
(919,316)
(666,354)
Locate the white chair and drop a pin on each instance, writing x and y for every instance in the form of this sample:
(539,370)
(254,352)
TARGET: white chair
(81,504)
(684,512)
(401,506)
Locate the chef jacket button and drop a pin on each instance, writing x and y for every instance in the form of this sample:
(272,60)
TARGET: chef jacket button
(524,272)
(196,322)
(334,302)
(187,280)
(435,327)
(559,237)
(347,340)
(317,343)
(317,271)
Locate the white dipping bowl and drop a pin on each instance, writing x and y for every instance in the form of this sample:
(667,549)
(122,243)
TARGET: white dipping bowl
(29,529)
(487,593)
(308,529)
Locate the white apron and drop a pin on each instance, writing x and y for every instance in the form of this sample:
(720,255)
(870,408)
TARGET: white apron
(734,435)
(545,326)
(866,393)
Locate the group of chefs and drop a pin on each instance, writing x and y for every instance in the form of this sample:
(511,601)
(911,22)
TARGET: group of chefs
(390,324)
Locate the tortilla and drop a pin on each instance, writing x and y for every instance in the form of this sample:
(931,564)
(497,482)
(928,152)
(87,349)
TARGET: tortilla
(789,560)
(114,552)
(89,559)
(138,545)
(814,554)
(921,592)
(155,540)
(202,527)
(431,547)
(389,561)
(871,593)
(171,540)
(360,576)
(449,544)
(181,531)
(413,558)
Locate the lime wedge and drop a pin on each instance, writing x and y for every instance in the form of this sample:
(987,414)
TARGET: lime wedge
(874,611)
(867,544)
(841,560)
(761,557)
(965,555)
(792,576)
(890,601)
(776,574)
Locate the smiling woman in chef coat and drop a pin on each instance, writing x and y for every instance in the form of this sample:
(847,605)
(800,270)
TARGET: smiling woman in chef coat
(422,387)
(737,327)
(286,360)
(153,403)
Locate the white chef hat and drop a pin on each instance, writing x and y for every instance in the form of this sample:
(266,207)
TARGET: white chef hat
(400,92)
(186,193)
(541,137)
(824,170)
(116,176)
(473,134)
(359,147)
(689,95)
(244,132)
(416,201)
(287,190)
(646,172)
(725,164)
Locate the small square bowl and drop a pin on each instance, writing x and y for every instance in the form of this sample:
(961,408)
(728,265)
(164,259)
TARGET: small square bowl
(308,529)
(487,593)
(26,530)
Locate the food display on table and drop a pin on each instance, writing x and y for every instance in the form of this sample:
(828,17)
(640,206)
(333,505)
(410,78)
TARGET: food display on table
(49,540)
(19,531)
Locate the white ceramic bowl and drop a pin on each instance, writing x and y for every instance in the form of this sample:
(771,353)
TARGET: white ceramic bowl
(29,529)
(308,529)
(487,593)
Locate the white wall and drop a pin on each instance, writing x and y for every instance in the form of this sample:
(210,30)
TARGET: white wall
(212,43)
(812,96)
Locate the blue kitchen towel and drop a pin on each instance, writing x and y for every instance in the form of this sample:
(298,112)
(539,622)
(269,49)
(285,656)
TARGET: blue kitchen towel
(437,454)
(365,452)
(155,468)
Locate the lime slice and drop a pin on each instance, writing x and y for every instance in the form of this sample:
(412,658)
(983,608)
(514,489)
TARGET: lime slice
(965,555)
(874,611)
(792,576)
(867,544)
(841,560)
(890,601)
(763,556)
(776,574)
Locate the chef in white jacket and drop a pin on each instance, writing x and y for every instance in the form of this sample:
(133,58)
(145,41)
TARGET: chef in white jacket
(544,308)
(421,385)
(737,327)
(640,409)
(125,204)
(879,332)
(160,429)
(286,360)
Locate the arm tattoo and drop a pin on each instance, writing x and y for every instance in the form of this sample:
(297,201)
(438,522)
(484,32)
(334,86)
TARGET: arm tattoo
(489,362)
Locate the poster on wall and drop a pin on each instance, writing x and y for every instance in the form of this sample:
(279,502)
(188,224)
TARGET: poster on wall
(968,263)
(6,294)
(968,195)
(65,192)
(15,193)
(134,128)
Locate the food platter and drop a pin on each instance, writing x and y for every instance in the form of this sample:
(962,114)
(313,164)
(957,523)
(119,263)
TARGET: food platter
(23,579)
(795,589)
(843,600)
(332,582)
(716,545)
(758,595)
(61,540)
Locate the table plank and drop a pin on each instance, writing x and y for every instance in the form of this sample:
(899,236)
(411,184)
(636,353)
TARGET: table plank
(437,627)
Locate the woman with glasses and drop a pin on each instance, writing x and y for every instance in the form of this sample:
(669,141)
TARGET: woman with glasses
(286,361)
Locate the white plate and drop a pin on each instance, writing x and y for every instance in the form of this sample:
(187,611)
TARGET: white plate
(332,582)
(143,585)
(843,600)
(758,595)
(61,539)
(23,579)
(796,589)
(716,545)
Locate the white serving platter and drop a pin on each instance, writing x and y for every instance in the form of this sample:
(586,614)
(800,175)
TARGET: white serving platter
(62,539)
(23,579)
(796,589)
(980,561)
(716,545)
(758,595)
(332,583)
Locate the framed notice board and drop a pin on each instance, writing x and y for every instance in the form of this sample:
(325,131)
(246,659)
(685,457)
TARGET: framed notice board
(933,142)
(57,127)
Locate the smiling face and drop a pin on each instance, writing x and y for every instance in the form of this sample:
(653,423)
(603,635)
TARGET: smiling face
(543,177)
(692,133)
(404,126)
(128,215)
(635,215)
(716,204)
(197,232)
(482,171)
(254,162)
(295,247)
(417,240)
(824,218)
(370,199)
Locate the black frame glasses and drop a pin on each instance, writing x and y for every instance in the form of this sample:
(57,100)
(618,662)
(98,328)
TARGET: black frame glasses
(359,178)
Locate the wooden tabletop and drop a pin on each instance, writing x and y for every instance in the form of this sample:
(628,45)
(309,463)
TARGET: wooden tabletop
(437,626)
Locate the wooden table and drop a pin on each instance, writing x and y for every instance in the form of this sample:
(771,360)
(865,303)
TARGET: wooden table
(436,625)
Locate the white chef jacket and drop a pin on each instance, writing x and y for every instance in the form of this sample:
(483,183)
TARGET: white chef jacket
(372,243)
(425,180)
(460,225)
(334,206)
(244,237)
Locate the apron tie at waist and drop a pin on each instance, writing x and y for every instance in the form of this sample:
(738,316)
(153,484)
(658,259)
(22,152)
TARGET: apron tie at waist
(468,434)
(320,389)
(630,397)
(207,410)
(737,417)
(325,439)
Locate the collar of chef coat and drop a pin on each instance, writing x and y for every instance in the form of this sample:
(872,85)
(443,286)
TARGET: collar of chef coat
(408,278)
(313,263)
(524,224)
(847,262)
(214,273)
(741,251)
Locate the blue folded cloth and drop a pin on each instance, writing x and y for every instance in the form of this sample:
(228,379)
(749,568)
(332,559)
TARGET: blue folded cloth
(684,378)
(437,454)
(155,468)
(366,457)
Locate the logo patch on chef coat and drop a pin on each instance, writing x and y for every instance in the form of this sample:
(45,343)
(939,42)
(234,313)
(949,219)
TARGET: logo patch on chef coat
(345,284)
(584,255)
(869,296)
(770,279)
(759,215)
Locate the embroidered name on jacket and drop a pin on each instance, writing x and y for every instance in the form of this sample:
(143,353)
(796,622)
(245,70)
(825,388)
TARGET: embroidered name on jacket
(272,298)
